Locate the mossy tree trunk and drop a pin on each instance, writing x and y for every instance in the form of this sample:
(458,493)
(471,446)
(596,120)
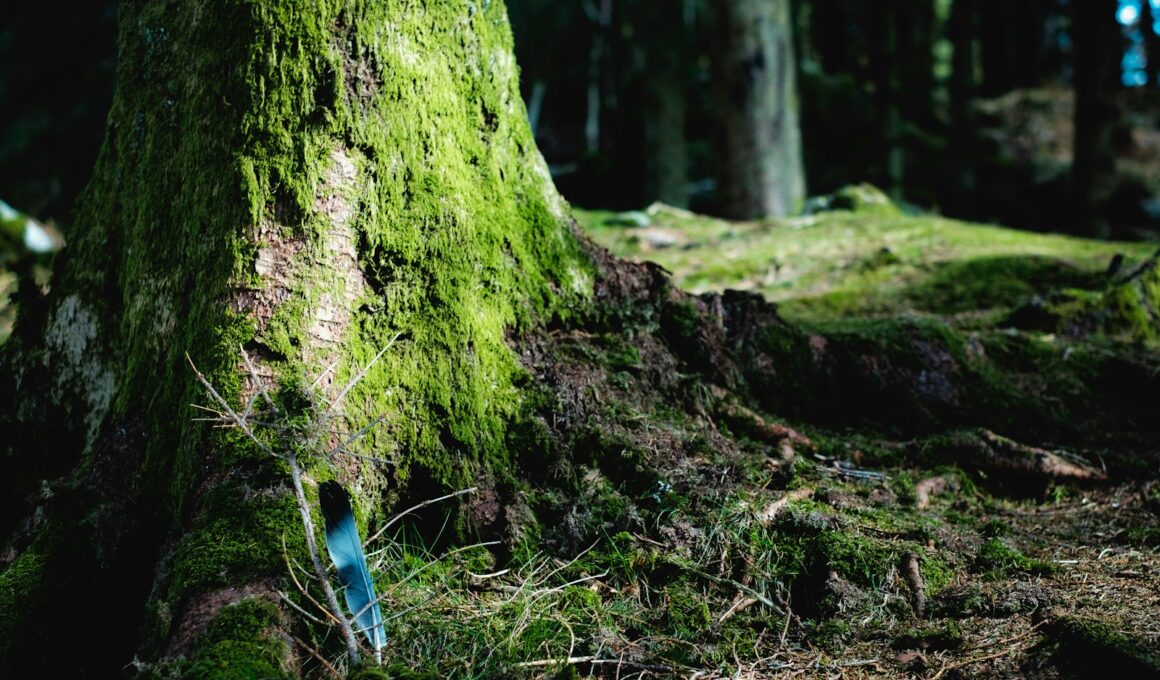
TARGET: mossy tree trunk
(308,180)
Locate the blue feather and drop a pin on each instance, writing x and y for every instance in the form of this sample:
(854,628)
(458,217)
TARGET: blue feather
(345,548)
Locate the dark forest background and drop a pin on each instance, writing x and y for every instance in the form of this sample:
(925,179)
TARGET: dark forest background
(964,107)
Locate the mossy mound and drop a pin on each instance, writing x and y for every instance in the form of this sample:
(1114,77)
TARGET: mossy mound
(912,324)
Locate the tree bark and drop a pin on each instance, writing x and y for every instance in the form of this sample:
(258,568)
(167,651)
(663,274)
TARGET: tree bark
(1148,19)
(962,88)
(1012,43)
(666,156)
(1096,65)
(755,86)
(306,180)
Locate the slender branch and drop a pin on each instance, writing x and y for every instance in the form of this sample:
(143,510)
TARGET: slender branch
(322,375)
(318,657)
(228,410)
(302,589)
(360,434)
(319,570)
(257,380)
(297,607)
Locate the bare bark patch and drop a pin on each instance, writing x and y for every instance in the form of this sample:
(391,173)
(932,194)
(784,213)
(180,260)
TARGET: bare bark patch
(274,264)
(326,275)
(343,280)
(73,336)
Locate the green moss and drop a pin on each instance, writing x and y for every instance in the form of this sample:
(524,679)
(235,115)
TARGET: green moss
(997,560)
(937,574)
(841,263)
(937,637)
(995,528)
(1132,309)
(236,538)
(1097,646)
(240,644)
(854,557)
(681,322)
(829,633)
(21,586)
(1146,536)
(903,484)
(859,198)
(990,282)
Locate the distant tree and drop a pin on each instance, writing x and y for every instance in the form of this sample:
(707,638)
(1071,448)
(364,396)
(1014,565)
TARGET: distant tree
(1011,37)
(662,36)
(1096,53)
(758,150)
(1148,26)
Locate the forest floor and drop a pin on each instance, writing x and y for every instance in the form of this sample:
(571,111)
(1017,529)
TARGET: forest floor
(987,509)
(943,463)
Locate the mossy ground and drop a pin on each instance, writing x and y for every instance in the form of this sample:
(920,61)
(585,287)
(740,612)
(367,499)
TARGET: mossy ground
(651,526)
(692,577)
(841,263)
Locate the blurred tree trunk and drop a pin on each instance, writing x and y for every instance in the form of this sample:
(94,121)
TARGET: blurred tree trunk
(961,30)
(666,158)
(1096,62)
(885,69)
(1011,35)
(758,150)
(306,180)
(1148,19)
(915,28)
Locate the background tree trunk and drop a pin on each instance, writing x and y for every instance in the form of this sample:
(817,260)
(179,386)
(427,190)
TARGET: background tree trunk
(755,85)
(961,31)
(1096,62)
(306,180)
(666,157)
(1148,19)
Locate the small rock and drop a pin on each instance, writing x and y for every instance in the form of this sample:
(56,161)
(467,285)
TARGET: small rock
(632,218)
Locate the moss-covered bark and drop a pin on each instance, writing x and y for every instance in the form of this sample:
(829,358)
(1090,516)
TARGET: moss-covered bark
(307,179)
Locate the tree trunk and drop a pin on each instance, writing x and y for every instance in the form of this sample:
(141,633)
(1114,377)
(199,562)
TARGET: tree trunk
(915,30)
(962,86)
(885,66)
(755,85)
(1148,28)
(666,157)
(1012,43)
(1096,64)
(306,180)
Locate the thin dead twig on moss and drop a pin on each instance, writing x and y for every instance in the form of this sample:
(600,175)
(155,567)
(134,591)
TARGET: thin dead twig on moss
(995,655)
(318,657)
(775,508)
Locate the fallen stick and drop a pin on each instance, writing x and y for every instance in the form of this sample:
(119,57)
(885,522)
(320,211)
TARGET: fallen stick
(775,508)
(913,575)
